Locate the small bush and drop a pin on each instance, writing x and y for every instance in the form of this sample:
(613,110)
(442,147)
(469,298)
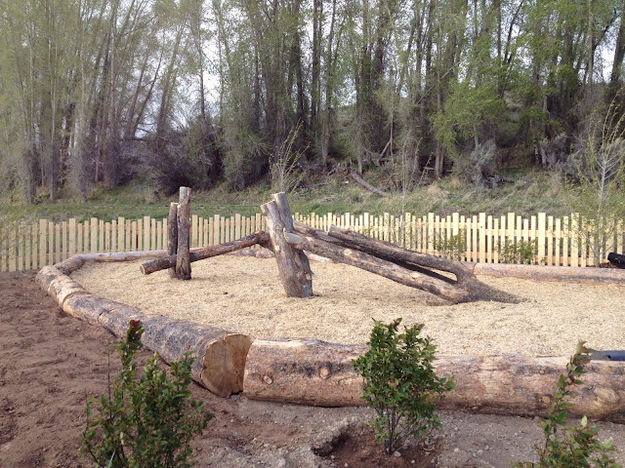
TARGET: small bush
(149,422)
(520,252)
(454,246)
(400,383)
(577,446)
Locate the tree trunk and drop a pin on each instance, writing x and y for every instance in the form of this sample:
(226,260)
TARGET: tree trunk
(303,371)
(293,265)
(54,282)
(317,373)
(258,238)
(219,355)
(183,263)
(172,236)
(401,265)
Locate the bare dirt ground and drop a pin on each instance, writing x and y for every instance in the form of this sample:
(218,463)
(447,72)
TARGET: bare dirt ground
(243,294)
(50,363)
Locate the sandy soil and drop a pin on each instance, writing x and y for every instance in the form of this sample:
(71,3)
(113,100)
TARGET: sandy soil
(244,294)
(50,363)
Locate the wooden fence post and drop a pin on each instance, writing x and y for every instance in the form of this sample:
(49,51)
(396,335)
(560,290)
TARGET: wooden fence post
(183,263)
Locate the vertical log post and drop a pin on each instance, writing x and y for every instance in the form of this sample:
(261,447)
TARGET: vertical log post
(293,265)
(183,263)
(172,234)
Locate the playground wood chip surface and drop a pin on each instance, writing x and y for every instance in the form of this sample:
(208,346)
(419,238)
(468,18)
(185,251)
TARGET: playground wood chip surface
(244,294)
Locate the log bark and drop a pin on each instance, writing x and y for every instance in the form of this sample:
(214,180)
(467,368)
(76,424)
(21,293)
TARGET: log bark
(318,373)
(258,238)
(183,263)
(583,275)
(322,244)
(77,261)
(172,235)
(309,372)
(219,354)
(57,284)
(293,267)
(473,289)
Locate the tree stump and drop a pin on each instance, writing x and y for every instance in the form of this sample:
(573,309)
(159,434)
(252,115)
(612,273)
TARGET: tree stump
(293,266)
(183,263)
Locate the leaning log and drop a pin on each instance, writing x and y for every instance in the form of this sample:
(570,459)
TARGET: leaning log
(258,238)
(293,266)
(317,373)
(317,242)
(183,263)
(465,280)
(172,235)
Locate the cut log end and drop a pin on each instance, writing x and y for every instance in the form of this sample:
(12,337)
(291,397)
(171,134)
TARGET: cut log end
(224,364)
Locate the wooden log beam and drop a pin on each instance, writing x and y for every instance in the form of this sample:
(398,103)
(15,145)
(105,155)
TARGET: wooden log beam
(465,288)
(390,270)
(57,284)
(585,275)
(172,235)
(293,266)
(183,263)
(317,373)
(258,238)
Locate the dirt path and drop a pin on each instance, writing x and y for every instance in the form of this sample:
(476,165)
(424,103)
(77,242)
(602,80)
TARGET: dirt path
(50,362)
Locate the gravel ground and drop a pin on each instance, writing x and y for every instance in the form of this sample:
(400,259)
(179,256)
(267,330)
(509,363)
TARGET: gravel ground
(244,294)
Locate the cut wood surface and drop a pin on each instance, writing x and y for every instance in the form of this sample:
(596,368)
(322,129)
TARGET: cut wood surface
(585,275)
(313,372)
(293,266)
(258,238)
(303,371)
(183,262)
(219,355)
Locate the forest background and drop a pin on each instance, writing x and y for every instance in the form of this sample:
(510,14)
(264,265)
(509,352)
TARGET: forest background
(95,94)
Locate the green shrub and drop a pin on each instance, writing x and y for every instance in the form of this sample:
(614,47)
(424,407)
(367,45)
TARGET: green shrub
(400,383)
(454,246)
(144,422)
(520,252)
(576,446)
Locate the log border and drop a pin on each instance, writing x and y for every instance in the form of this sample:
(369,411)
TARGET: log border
(80,303)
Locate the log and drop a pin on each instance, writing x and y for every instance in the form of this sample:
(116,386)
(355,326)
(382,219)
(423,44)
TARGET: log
(172,235)
(472,288)
(219,354)
(303,371)
(57,284)
(258,238)
(293,267)
(317,373)
(362,182)
(183,263)
(75,262)
(616,259)
(582,275)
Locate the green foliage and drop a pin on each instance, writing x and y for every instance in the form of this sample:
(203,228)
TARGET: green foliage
(576,446)
(400,383)
(453,247)
(144,422)
(521,251)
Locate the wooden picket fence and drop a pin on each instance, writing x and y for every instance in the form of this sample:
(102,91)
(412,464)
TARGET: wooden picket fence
(478,238)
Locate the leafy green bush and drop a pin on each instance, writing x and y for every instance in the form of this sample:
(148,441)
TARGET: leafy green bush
(149,422)
(520,252)
(578,446)
(454,246)
(400,383)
